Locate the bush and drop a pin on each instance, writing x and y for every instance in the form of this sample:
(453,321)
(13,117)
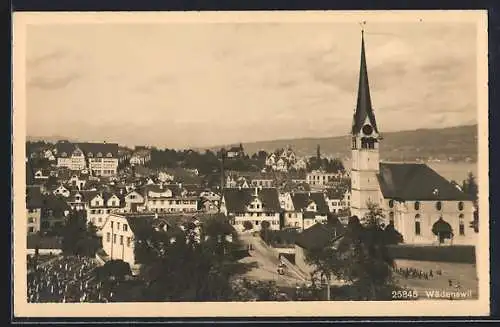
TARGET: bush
(247,225)
(453,253)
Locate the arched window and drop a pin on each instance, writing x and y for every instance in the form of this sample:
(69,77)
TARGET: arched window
(417,224)
(391,217)
(417,205)
(461,226)
(460,206)
(439,205)
(391,203)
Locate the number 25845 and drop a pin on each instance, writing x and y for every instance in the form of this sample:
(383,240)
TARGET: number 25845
(404,295)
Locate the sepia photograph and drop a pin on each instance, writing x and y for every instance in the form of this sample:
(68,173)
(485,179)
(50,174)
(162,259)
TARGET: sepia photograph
(250,163)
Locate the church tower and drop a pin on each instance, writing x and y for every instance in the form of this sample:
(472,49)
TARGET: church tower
(364,146)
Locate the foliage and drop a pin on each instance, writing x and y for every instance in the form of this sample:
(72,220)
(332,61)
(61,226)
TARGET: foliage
(328,165)
(247,225)
(78,237)
(116,269)
(442,229)
(470,187)
(360,256)
(186,270)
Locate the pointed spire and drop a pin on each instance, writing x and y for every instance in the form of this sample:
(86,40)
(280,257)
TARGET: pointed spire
(364,104)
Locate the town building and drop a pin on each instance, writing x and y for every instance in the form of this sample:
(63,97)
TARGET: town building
(251,206)
(412,195)
(101,204)
(102,158)
(70,156)
(34,204)
(169,198)
(307,209)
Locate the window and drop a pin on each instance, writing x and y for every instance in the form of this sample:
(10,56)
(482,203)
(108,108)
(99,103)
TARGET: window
(100,219)
(128,241)
(461,226)
(112,224)
(417,205)
(114,238)
(121,239)
(132,196)
(417,225)
(125,227)
(439,205)
(460,206)
(108,237)
(31,220)
(391,217)
(118,225)
(391,203)
(113,203)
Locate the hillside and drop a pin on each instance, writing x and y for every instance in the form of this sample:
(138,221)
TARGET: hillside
(452,143)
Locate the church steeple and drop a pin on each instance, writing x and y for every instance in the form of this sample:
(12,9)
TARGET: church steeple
(364,108)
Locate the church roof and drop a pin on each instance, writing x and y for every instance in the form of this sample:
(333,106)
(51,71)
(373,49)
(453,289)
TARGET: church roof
(416,182)
(364,104)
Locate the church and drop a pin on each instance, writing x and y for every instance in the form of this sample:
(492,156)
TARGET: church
(422,205)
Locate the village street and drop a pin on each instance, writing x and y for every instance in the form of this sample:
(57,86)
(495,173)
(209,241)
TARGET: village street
(268,262)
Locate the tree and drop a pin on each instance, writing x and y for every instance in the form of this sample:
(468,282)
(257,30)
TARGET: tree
(470,187)
(178,268)
(78,237)
(265,225)
(442,230)
(247,225)
(359,256)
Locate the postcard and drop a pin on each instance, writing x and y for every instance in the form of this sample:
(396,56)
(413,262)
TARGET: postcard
(250,164)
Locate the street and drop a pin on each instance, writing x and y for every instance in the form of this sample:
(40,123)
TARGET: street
(267,264)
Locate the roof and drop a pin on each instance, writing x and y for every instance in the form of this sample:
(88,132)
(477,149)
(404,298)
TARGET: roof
(303,199)
(319,235)
(237,200)
(364,104)
(416,182)
(335,193)
(64,147)
(34,198)
(141,225)
(96,148)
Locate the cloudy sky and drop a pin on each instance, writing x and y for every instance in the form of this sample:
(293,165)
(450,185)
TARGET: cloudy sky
(200,84)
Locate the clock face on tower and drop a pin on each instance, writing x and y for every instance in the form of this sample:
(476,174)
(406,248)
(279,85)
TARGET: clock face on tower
(367,129)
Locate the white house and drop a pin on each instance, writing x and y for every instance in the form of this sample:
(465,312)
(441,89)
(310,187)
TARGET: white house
(253,206)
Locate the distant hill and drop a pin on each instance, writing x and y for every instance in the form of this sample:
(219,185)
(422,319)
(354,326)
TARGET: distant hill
(451,143)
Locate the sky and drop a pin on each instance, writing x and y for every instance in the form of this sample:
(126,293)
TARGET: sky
(181,85)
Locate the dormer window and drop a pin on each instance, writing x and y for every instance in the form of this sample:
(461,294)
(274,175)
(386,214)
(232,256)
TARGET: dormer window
(64,154)
(99,154)
(391,203)
(90,154)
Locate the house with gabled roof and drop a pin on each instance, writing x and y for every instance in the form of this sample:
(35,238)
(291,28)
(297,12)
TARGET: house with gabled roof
(70,155)
(101,204)
(305,210)
(251,205)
